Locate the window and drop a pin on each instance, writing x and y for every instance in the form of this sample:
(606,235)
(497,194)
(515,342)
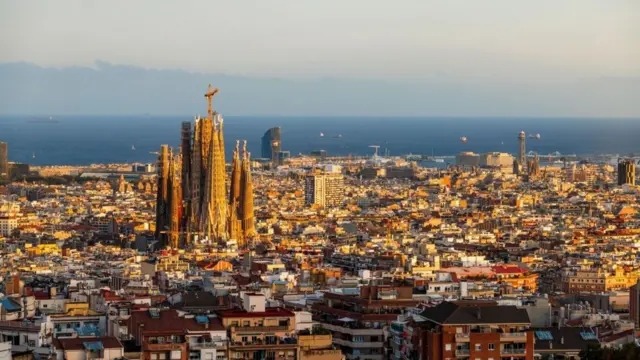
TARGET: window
(447,347)
(478,347)
(491,347)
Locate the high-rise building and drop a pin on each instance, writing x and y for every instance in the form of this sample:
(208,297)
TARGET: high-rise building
(522,153)
(4,160)
(626,172)
(272,143)
(634,304)
(325,189)
(192,191)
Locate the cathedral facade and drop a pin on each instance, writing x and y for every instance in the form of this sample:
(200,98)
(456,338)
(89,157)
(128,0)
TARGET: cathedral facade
(192,198)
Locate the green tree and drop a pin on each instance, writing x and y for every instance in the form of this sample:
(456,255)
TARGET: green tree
(596,352)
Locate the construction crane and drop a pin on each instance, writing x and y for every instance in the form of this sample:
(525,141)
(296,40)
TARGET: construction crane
(209,95)
(375,151)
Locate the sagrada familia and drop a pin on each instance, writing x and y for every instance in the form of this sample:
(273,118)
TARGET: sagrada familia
(192,197)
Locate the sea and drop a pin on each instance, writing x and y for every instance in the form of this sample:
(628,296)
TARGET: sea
(84,140)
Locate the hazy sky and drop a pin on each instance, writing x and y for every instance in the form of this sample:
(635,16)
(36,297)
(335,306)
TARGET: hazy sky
(541,40)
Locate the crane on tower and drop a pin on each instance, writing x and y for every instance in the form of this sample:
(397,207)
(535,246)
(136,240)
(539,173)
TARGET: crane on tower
(209,95)
(375,151)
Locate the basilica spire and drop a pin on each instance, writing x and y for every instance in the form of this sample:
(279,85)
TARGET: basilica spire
(235,217)
(248,222)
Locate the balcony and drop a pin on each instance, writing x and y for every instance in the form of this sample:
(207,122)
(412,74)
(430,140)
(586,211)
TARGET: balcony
(287,343)
(513,351)
(147,346)
(462,352)
(358,344)
(18,326)
(516,336)
(463,337)
(207,345)
(353,330)
(340,310)
(260,329)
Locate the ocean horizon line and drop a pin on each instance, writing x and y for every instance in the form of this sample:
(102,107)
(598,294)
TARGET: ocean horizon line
(358,117)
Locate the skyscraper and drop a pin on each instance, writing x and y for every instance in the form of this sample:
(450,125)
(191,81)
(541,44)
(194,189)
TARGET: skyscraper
(272,143)
(626,172)
(4,160)
(192,192)
(324,189)
(522,153)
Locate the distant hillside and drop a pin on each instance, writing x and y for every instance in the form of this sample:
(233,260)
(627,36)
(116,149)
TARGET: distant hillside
(115,89)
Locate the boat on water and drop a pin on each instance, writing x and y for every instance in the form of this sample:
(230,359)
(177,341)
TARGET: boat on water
(337,136)
(50,120)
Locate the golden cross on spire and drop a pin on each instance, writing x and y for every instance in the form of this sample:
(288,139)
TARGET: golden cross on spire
(209,95)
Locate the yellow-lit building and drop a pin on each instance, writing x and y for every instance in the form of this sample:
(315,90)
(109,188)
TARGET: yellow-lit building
(42,249)
(317,347)
(257,331)
(598,280)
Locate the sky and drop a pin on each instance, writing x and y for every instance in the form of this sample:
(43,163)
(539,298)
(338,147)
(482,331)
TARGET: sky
(359,38)
(461,41)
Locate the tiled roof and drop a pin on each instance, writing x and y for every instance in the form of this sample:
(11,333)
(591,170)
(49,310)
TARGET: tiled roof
(448,313)
(108,342)
(269,312)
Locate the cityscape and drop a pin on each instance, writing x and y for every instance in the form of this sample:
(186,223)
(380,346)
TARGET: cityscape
(306,239)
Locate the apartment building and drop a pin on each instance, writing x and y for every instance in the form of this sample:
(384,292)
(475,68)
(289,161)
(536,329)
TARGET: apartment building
(357,317)
(598,280)
(259,332)
(476,331)
(325,189)
(169,334)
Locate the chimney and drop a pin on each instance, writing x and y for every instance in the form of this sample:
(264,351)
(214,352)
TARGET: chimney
(562,340)
(550,345)
(479,313)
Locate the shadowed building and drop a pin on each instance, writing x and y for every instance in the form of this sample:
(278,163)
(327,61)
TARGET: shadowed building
(241,222)
(626,172)
(272,143)
(169,212)
(4,160)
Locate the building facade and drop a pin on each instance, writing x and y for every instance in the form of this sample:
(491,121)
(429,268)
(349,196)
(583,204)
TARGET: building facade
(192,197)
(325,190)
(357,318)
(626,172)
(474,331)
(271,143)
(4,160)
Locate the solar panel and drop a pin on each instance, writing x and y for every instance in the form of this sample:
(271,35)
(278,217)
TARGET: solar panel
(588,335)
(202,319)
(544,335)
(93,345)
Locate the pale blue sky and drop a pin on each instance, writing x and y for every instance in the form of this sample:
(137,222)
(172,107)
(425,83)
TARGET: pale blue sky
(473,40)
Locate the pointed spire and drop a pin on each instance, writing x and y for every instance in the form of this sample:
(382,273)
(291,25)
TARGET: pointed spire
(248,226)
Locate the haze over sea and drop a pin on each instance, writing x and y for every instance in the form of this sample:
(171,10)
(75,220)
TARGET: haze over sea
(83,140)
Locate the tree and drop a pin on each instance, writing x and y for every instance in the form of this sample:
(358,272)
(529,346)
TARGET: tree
(595,352)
